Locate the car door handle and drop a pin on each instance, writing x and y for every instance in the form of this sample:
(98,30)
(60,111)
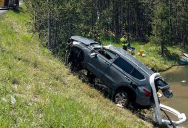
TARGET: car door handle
(127,78)
(106,62)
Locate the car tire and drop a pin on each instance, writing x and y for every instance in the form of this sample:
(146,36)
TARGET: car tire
(17,3)
(67,56)
(6,2)
(91,77)
(75,59)
(121,98)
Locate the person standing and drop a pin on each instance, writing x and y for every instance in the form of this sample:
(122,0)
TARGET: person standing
(124,43)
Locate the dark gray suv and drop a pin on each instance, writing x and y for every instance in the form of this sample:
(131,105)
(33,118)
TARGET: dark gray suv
(126,78)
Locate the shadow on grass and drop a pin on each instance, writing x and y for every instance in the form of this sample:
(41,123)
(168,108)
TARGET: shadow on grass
(18,10)
(170,56)
(91,81)
(185,49)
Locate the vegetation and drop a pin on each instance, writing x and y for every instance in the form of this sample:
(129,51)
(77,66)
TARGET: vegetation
(37,90)
(161,22)
(160,26)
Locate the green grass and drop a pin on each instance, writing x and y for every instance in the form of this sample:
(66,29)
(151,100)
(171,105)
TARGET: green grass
(153,58)
(47,94)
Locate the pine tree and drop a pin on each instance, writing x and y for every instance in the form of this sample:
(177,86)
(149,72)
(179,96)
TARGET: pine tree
(160,24)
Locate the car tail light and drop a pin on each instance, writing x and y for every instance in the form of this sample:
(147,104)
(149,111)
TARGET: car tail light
(164,90)
(147,93)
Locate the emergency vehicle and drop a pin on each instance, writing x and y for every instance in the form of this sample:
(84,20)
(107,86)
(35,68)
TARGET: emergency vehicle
(7,4)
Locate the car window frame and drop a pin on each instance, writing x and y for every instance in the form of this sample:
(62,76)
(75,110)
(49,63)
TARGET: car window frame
(131,71)
(110,60)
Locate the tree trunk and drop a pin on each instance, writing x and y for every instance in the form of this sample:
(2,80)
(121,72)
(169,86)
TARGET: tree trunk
(69,25)
(129,21)
(122,18)
(162,45)
(92,19)
(55,36)
(49,28)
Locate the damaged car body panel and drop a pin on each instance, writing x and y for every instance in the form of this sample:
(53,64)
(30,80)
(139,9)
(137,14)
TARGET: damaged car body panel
(125,76)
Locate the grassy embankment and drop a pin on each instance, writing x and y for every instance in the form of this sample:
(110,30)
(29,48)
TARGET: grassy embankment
(153,58)
(46,93)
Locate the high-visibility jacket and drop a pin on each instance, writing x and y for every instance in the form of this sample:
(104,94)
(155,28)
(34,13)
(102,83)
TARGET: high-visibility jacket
(125,44)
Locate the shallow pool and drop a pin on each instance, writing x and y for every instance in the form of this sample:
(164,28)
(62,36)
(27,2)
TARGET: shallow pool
(177,78)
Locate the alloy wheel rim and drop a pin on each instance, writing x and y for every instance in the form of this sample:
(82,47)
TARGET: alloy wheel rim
(121,99)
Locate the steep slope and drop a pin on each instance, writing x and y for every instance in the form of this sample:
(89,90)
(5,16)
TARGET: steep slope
(37,90)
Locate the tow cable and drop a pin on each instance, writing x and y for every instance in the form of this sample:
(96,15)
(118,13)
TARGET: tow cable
(169,119)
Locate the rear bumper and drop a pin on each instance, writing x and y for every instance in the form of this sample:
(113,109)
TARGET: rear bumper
(143,101)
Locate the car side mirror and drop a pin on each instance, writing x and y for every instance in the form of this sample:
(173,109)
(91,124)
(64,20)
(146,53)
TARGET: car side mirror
(93,55)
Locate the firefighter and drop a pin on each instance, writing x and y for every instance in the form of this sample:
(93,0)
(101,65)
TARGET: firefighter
(124,43)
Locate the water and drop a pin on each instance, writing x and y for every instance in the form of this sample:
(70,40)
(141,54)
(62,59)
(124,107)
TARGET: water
(177,78)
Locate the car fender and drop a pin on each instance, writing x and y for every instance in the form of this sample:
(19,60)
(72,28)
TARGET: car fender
(128,88)
(84,49)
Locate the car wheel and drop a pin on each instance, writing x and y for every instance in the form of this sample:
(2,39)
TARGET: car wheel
(17,3)
(121,98)
(91,77)
(6,3)
(67,56)
(76,60)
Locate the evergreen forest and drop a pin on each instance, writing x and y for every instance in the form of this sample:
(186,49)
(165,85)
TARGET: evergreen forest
(163,22)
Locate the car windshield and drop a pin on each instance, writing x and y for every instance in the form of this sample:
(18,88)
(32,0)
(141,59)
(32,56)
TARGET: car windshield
(106,53)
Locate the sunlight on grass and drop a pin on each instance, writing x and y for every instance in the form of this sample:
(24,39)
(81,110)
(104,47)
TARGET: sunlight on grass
(47,94)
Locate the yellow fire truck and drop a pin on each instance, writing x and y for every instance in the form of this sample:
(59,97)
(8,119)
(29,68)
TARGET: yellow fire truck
(9,4)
